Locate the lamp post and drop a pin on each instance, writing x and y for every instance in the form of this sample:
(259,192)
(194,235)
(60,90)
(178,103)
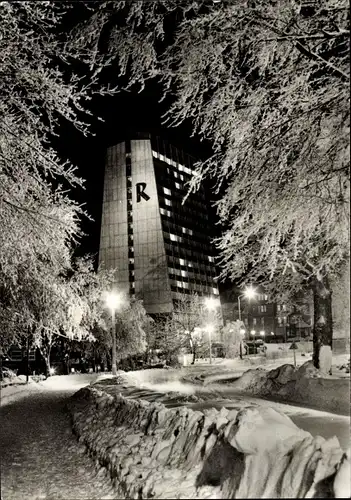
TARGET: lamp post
(249,293)
(113,301)
(253,333)
(242,333)
(211,304)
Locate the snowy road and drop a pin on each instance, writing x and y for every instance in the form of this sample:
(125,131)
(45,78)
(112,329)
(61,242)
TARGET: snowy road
(40,457)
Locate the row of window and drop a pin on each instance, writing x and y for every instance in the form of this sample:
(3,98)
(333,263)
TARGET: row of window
(170,227)
(260,308)
(181,219)
(130,218)
(185,253)
(178,166)
(195,277)
(192,286)
(282,320)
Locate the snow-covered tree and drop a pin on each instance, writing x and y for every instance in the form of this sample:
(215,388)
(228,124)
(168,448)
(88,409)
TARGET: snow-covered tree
(267,83)
(232,338)
(49,306)
(39,221)
(189,323)
(131,326)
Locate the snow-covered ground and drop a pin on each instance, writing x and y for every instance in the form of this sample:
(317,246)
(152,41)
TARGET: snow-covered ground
(40,457)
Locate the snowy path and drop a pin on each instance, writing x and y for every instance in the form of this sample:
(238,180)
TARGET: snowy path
(40,457)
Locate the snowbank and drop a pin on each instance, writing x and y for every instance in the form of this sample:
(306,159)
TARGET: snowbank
(154,452)
(304,385)
(16,389)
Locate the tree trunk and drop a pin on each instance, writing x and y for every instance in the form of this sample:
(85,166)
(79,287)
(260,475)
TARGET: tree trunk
(194,355)
(323,326)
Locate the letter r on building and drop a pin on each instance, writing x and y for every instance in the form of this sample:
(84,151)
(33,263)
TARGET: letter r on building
(140,191)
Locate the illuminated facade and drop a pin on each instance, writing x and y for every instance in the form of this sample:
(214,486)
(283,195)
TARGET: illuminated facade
(160,247)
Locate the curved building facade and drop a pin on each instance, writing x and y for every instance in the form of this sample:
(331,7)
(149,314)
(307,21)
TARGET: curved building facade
(160,246)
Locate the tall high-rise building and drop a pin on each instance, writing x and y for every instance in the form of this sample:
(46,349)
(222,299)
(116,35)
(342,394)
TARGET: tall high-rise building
(160,246)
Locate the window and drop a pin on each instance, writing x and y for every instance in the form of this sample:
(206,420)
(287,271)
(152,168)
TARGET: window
(211,259)
(265,297)
(284,307)
(182,262)
(246,321)
(254,321)
(168,203)
(178,186)
(184,274)
(167,191)
(215,291)
(163,211)
(179,284)
(131,261)
(173,237)
(263,309)
(262,321)
(128,155)
(278,307)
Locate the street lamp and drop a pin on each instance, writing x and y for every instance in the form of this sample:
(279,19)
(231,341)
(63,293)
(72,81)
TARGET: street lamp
(211,304)
(249,293)
(242,334)
(113,301)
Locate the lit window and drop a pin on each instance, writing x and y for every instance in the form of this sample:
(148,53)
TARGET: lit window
(180,284)
(184,274)
(168,203)
(266,297)
(182,262)
(185,285)
(180,167)
(166,191)
(263,309)
(278,307)
(181,177)
(168,161)
(211,259)
(215,291)
(178,186)
(169,213)
(175,174)
(190,264)
(173,237)
(162,158)
(279,320)
(131,261)
(254,321)
(262,321)
(163,211)
(284,307)
(154,154)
